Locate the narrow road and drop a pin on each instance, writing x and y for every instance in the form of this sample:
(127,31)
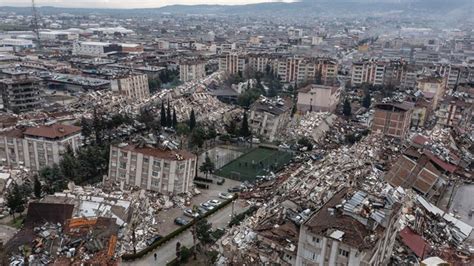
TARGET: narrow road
(167,252)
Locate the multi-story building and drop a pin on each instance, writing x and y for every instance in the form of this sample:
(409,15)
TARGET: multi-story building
(377,72)
(37,147)
(232,63)
(161,170)
(392,119)
(456,110)
(352,228)
(20,92)
(318,98)
(192,70)
(433,86)
(134,86)
(268,117)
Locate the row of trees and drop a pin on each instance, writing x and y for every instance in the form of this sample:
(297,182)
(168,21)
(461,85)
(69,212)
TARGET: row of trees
(166,120)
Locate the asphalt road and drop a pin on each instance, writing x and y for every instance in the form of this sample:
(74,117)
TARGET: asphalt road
(167,252)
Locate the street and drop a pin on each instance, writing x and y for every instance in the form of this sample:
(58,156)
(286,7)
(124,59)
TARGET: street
(166,252)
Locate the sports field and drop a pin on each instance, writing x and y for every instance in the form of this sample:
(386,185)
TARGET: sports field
(257,162)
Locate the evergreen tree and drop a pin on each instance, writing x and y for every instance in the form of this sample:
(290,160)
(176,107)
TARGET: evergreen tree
(37,187)
(192,120)
(346,108)
(197,137)
(207,167)
(367,101)
(86,128)
(163,115)
(203,231)
(16,200)
(244,129)
(175,120)
(169,119)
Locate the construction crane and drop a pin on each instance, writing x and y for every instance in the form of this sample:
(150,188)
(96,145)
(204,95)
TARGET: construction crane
(35,24)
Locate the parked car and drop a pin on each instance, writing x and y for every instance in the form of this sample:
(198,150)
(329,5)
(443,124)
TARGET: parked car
(181,221)
(207,206)
(202,210)
(214,202)
(224,195)
(221,181)
(190,213)
(234,189)
(152,240)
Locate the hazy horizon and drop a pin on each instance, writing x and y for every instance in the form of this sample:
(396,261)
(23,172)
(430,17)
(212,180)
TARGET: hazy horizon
(127,4)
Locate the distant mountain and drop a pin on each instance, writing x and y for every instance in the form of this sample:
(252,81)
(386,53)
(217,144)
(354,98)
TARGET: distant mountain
(303,8)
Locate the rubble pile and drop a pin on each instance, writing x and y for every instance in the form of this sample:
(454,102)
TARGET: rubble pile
(313,125)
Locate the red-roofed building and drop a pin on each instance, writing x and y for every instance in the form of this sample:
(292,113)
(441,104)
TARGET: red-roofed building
(37,147)
(415,242)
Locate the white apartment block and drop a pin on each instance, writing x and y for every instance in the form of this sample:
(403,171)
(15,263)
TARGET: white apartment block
(343,233)
(164,171)
(192,70)
(99,49)
(37,147)
(134,87)
(268,117)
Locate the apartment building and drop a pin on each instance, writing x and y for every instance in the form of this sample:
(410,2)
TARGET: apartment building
(232,63)
(392,119)
(268,117)
(134,86)
(433,87)
(192,70)
(318,98)
(20,92)
(352,228)
(377,72)
(300,70)
(161,170)
(456,110)
(37,147)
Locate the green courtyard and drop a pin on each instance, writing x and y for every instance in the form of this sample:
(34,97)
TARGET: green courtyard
(257,162)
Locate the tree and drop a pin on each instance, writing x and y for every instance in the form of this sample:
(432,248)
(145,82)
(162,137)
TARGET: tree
(86,128)
(232,128)
(211,133)
(37,187)
(16,200)
(169,119)
(69,165)
(346,108)
(203,231)
(244,129)
(98,125)
(192,120)
(366,102)
(175,120)
(208,166)
(163,115)
(197,137)
(182,129)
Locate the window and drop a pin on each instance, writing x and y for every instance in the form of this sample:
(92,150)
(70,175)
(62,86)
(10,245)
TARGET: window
(123,165)
(155,173)
(145,159)
(166,165)
(157,163)
(343,252)
(315,239)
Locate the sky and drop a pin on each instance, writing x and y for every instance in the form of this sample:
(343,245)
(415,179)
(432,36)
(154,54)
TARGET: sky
(128,3)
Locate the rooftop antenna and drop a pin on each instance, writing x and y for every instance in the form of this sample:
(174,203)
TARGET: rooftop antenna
(35,23)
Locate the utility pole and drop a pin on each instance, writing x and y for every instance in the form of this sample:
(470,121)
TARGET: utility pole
(35,24)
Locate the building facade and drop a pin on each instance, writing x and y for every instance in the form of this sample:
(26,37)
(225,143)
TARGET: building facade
(20,92)
(392,119)
(164,171)
(35,148)
(318,98)
(192,70)
(349,230)
(269,117)
(134,87)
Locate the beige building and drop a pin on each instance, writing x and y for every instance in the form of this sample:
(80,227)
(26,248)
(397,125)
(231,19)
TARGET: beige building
(192,70)
(352,228)
(433,87)
(134,86)
(37,147)
(160,170)
(301,69)
(20,92)
(232,63)
(318,98)
(269,117)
